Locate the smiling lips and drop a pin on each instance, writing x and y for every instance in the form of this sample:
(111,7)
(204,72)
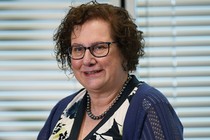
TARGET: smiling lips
(92,72)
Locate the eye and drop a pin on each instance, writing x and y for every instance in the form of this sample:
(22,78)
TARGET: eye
(100,47)
(77,49)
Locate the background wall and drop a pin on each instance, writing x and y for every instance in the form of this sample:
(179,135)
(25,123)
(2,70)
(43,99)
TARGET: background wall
(177,61)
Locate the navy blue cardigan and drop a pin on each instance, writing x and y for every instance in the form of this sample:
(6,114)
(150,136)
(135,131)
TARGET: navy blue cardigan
(149,116)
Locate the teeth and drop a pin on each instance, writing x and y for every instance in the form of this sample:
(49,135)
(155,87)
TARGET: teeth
(91,72)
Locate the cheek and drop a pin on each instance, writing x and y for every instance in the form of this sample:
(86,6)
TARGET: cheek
(116,60)
(75,65)
(112,65)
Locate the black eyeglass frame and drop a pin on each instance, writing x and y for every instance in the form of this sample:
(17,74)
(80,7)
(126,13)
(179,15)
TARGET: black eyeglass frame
(91,50)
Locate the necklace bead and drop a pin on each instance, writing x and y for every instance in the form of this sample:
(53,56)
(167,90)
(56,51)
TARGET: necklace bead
(94,117)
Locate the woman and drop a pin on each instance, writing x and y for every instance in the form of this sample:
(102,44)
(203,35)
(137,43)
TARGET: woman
(101,44)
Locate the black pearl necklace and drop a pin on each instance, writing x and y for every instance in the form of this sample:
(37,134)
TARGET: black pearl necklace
(94,117)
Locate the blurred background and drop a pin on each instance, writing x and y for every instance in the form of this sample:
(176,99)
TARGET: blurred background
(177,61)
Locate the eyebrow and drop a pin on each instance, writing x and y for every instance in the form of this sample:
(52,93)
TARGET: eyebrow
(92,44)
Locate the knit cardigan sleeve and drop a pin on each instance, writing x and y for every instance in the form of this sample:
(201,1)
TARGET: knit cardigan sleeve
(151,116)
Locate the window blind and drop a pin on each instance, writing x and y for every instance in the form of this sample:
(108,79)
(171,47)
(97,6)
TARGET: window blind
(177,60)
(30,81)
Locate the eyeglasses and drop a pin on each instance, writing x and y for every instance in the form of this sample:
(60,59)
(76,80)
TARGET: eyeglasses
(101,49)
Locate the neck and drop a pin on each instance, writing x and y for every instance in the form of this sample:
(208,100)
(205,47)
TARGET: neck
(100,99)
(96,109)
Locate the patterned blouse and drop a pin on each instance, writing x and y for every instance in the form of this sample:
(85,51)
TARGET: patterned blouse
(109,128)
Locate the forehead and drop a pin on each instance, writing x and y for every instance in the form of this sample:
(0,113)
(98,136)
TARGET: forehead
(92,30)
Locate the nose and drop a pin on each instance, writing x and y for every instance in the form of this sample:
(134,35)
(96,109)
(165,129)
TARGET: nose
(88,58)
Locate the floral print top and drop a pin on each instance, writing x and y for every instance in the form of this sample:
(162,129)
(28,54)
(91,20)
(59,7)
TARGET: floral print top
(109,128)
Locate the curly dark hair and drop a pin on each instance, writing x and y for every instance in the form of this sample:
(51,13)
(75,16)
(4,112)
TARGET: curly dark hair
(123,30)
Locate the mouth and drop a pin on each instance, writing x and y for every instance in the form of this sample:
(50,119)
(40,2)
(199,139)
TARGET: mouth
(92,72)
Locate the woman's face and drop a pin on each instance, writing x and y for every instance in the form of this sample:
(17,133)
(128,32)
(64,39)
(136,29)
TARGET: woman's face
(97,74)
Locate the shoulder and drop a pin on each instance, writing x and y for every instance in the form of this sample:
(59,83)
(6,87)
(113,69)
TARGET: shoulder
(58,109)
(54,116)
(146,91)
(65,101)
(154,94)
(149,96)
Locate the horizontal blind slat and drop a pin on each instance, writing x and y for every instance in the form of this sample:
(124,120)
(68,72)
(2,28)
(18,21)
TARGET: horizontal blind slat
(169,3)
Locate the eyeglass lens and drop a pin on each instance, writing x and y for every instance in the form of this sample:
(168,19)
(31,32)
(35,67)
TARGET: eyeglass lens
(77,51)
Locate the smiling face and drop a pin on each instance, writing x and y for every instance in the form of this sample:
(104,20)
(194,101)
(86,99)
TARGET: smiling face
(97,74)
